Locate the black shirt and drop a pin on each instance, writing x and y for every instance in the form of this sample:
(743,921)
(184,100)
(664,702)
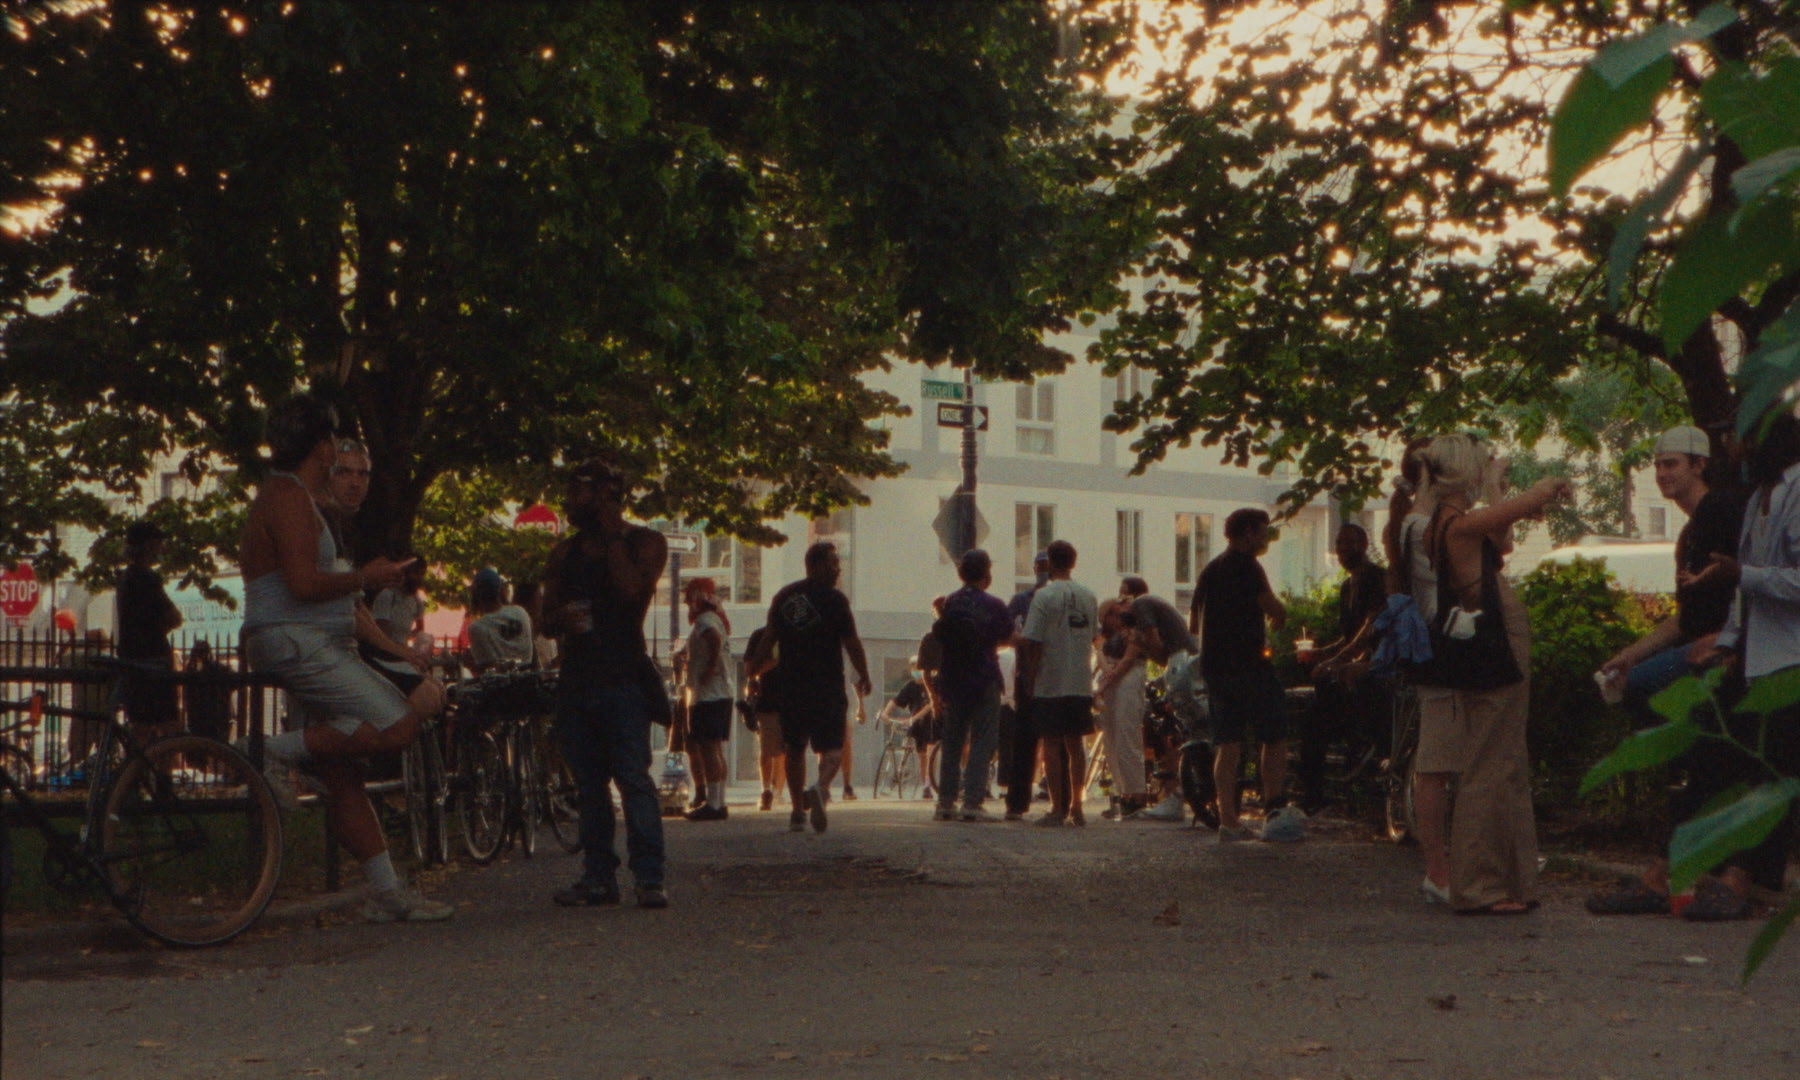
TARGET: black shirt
(912,697)
(811,621)
(1713,530)
(1361,597)
(613,651)
(143,616)
(1231,627)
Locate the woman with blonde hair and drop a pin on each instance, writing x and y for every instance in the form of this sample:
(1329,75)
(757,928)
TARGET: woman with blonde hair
(1492,864)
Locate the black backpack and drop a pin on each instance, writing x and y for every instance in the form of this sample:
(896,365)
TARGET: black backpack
(960,638)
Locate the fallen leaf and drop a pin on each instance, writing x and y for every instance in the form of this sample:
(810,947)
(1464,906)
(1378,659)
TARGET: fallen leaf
(1447,1002)
(364,1030)
(252,1059)
(784,1055)
(946,1057)
(151,1044)
(1171,915)
(1308,1049)
(937,969)
(981,1048)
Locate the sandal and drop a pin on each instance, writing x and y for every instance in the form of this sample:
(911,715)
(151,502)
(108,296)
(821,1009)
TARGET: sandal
(1630,897)
(1714,901)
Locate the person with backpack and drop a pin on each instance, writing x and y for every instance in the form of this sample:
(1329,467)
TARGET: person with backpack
(973,626)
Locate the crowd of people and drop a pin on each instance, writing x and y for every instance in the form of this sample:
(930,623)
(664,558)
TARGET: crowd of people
(1011,694)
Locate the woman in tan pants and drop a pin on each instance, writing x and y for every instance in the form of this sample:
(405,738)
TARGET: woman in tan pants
(1493,837)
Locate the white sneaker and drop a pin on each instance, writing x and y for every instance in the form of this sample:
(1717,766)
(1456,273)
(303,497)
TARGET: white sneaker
(976,814)
(1169,809)
(403,905)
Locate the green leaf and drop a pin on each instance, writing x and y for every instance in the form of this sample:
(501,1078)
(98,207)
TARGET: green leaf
(1776,690)
(1620,62)
(1772,932)
(1713,264)
(1643,217)
(1594,115)
(1760,111)
(1751,181)
(1643,750)
(1769,370)
(1684,695)
(1702,843)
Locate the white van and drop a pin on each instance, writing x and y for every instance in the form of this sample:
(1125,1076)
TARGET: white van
(1640,566)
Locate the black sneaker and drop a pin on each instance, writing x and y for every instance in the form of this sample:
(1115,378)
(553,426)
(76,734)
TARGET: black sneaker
(709,813)
(815,810)
(586,894)
(797,821)
(652,896)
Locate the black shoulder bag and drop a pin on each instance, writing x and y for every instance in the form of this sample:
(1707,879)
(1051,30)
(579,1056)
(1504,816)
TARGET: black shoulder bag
(1469,649)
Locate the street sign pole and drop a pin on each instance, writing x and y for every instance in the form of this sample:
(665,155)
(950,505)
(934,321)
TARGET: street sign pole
(966,540)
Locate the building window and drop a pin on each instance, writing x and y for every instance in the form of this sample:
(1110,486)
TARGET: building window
(840,529)
(1659,522)
(1037,418)
(735,566)
(1127,384)
(1034,526)
(1130,541)
(1193,546)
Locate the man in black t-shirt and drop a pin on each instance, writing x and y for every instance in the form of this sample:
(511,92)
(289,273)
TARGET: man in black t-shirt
(146,617)
(1231,601)
(1680,642)
(814,628)
(1347,703)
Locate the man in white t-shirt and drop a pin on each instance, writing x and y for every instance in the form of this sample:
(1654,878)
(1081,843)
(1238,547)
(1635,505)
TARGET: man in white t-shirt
(500,632)
(1054,678)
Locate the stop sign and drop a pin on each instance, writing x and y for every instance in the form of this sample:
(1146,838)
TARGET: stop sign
(19,591)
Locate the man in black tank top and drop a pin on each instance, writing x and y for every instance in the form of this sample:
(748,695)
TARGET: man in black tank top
(598,585)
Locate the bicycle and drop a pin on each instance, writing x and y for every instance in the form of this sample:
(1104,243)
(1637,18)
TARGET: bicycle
(427,791)
(899,761)
(561,808)
(182,833)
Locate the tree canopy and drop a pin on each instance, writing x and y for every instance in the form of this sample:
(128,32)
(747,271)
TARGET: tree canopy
(1351,237)
(505,235)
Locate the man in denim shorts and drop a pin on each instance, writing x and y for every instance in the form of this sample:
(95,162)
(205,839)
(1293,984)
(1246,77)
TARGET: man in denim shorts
(1231,602)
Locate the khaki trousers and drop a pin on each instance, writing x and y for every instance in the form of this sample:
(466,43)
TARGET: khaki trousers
(1493,836)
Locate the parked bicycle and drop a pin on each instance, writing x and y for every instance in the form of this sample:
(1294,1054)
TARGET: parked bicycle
(898,768)
(182,834)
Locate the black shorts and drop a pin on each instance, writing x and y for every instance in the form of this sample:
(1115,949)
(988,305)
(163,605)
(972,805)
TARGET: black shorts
(1061,717)
(1247,701)
(710,720)
(924,730)
(818,721)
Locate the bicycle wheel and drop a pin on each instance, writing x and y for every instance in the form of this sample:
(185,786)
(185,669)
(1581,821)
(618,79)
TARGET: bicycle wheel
(1399,814)
(482,805)
(560,805)
(191,841)
(1197,787)
(527,792)
(884,772)
(437,790)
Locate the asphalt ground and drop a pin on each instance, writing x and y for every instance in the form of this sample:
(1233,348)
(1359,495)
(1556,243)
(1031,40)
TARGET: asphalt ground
(892,945)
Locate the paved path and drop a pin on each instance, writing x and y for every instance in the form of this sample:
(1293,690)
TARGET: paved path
(894,947)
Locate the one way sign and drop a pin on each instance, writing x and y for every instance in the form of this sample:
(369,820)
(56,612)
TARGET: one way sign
(951,415)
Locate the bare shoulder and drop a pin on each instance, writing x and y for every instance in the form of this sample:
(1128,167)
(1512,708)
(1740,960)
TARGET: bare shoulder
(646,544)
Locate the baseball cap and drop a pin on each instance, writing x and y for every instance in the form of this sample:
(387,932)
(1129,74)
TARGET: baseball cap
(1684,439)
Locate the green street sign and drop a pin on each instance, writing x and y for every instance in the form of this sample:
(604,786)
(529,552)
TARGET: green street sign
(940,390)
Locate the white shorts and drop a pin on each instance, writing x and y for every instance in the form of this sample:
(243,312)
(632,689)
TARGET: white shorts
(326,677)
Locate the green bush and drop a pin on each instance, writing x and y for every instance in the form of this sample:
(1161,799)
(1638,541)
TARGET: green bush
(1579,618)
(1314,613)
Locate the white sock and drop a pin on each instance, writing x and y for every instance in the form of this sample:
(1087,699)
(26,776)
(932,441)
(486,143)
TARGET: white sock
(380,873)
(289,746)
(715,796)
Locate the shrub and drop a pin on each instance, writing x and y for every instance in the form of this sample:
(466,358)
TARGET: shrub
(1579,618)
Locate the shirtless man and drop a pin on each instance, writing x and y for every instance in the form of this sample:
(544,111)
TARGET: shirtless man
(300,624)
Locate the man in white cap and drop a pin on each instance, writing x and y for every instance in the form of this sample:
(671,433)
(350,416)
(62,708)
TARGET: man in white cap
(1680,642)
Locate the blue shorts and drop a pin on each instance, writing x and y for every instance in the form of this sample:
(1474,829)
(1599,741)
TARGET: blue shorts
(1247,701)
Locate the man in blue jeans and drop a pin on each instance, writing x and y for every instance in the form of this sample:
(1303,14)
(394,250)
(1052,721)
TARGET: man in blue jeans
(974,625)
(598,585)
(1680,642)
